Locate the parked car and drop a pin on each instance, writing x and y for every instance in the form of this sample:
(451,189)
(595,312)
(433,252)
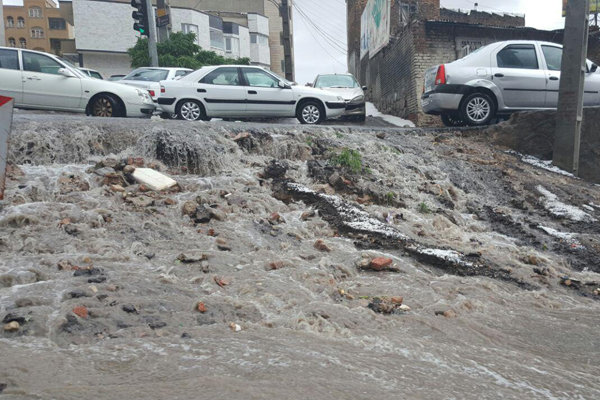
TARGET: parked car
(148,77)
(499,79)
(232,91)
(346,86)
(40,80)
(91,73)
(117,77)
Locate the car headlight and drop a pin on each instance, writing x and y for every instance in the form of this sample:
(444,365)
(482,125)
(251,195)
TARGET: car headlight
(358,99)
(144,96)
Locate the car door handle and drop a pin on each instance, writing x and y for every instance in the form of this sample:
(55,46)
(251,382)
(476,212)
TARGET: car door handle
(252,92)
(554,78)
(499,75)
(33,78)
(201,90)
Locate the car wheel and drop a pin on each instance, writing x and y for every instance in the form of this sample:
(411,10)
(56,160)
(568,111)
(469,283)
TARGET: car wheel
(191,110)
(106,106)
(310,113)
(477,109)
(452,120)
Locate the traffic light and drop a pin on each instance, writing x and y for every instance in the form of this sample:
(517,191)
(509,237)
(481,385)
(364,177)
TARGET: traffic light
(140,17)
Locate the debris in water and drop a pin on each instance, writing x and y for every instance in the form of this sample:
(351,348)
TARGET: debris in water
(153,179)
(81,311)
(12,326)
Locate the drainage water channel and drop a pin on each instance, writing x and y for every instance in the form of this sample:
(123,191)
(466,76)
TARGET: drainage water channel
(281,318)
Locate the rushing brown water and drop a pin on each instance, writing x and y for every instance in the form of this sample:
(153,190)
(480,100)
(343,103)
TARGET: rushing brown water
(304,329)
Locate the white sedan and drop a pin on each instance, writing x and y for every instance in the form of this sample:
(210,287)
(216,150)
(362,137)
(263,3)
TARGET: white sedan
(231,91)
(38,80)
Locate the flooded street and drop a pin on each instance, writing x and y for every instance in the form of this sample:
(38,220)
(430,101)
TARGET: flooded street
(258,276)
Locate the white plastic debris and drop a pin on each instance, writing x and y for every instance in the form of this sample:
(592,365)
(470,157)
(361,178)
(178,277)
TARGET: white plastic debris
(153,179)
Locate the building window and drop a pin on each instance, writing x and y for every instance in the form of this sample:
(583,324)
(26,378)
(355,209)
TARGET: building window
(37,32)
(58,24)
(283,66)
(12,42)
(35,12)
(10,22)
(190,28)
(253,38)
(228,44)
(23,43)
(20,22)
(55,45)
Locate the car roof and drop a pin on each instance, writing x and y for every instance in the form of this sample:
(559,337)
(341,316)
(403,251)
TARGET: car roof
(165,68)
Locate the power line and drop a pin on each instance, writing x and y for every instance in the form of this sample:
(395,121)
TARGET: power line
(319,43)
(333,43)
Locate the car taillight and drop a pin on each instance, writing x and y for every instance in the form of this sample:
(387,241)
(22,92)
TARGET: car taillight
(162,89)
(440,77)
(151,92)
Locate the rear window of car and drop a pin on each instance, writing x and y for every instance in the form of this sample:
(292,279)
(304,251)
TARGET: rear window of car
(336,81)
(147,75)
(521,56)
(9,59)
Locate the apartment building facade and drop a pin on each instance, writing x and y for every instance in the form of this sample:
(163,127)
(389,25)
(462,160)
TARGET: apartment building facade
(38,25)
(2,37)
(234,11)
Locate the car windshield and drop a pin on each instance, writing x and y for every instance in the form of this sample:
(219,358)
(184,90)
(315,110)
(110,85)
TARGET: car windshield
(148,75)
(336,81)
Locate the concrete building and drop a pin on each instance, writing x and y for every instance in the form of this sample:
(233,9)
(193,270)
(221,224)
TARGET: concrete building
(38,25)
(233,11)
(421,35)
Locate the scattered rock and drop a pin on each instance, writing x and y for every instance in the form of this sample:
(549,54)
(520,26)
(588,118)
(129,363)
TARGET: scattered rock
(88,271)
(12,326)
(275,219)
(77,293)
(170,202)
(117,188)
(378,264)
(321,246)
(383,305)
(235,327)
(221,281)
(11,317)
(129,308)
(141,201)
(397,299)
(222,245)
(532,260)
(240,136)
(81,311)
(276,169)
(188,258)
(306,215)
(277,265)
(201,307)
(446,313)
(380,135)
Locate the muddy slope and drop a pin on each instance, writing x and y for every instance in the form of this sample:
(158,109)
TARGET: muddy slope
(294,263)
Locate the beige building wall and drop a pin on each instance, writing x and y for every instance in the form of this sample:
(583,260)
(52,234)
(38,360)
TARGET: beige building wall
(29,26)
(2,41)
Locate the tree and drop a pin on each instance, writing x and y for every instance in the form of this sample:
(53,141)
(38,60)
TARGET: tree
(180,50)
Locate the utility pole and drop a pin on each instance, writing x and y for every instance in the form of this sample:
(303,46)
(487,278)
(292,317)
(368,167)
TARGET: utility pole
(284,10)
(2,38)
(162,20)
(151,34)
(570,98)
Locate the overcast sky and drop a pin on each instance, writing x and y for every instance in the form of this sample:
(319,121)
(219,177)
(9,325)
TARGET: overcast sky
(315,54)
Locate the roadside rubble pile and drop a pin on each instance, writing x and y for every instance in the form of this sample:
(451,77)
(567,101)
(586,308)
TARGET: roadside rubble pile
(261,254)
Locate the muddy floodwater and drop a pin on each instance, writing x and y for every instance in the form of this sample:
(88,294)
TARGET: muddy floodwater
(292,263)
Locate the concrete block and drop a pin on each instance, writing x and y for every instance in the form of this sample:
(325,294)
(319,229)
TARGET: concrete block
(153,179)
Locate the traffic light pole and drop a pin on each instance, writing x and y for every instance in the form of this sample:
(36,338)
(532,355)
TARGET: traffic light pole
(151,34)
(569,116)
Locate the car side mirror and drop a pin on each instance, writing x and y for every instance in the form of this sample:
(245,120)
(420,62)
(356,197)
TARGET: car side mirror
(65,72)
(284,85)
(594,68)
(364,88)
